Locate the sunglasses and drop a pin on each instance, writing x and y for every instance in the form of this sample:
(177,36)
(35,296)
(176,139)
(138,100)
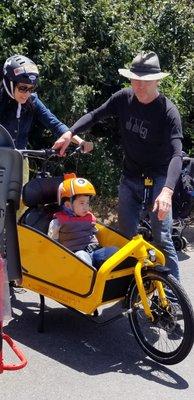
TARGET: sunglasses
(25,89)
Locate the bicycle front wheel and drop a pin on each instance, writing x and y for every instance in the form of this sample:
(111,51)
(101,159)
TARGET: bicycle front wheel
(169,338)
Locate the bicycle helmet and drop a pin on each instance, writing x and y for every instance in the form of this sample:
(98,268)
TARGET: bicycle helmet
(19,69)
(73,186)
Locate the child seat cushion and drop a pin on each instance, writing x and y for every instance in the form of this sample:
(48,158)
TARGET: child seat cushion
(40,191)
(39,218)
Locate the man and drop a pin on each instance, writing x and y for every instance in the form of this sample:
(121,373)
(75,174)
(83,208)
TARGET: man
(151,134)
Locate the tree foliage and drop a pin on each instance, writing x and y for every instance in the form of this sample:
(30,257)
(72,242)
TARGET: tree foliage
(79,46)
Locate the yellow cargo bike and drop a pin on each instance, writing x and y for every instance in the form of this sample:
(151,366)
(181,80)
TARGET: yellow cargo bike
(158,308)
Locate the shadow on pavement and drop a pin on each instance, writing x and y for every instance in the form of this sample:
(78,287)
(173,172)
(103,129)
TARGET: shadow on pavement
(78,343)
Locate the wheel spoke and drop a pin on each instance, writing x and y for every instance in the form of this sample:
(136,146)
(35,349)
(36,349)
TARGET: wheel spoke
(168,338)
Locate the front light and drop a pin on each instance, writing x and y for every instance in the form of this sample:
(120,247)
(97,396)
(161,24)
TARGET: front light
(152,255)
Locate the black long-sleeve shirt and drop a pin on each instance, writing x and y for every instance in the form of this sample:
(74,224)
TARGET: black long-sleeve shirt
(150,134)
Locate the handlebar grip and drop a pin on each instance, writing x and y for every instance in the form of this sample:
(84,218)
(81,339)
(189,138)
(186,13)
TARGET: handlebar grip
(45,153)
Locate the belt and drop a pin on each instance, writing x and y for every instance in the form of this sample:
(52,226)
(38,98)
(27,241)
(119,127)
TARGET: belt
(91,247)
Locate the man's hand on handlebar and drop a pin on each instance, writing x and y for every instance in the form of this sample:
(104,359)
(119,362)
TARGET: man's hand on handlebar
(63,142)
(86,147)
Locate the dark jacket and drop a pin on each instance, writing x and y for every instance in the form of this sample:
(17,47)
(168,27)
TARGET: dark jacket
(33,110)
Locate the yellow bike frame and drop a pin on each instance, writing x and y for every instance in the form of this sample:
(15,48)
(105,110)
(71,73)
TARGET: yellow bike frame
(53,271)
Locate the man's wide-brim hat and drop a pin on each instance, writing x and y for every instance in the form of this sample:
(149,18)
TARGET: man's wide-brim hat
(145,66)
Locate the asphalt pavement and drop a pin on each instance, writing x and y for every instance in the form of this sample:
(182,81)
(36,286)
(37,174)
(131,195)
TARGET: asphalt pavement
(76,360)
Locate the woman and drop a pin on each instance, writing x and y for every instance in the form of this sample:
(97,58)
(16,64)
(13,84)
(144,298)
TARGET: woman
(20,105)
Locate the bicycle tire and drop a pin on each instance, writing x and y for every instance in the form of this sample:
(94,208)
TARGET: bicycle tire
(178,243)
(166,326)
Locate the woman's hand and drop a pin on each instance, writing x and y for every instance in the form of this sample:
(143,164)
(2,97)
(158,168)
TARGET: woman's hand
(163,203)
(63,142)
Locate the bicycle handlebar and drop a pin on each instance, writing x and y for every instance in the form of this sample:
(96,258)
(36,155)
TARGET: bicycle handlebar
(47,153)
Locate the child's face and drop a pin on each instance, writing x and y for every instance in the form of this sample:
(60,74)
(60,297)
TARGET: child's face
(81,205)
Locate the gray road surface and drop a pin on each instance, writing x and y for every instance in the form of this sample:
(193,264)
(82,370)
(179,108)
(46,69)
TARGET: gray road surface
(76,360)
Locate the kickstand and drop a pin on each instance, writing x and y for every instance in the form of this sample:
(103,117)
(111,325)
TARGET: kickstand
(41,314)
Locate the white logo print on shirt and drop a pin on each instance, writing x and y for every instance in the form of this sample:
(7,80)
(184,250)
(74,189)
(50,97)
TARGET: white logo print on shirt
(136,125)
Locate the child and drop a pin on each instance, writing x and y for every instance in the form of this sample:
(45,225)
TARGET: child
(74,226)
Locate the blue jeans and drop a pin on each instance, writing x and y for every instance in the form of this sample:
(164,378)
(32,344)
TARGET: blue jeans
(96,257)
(129,213)
(100,255)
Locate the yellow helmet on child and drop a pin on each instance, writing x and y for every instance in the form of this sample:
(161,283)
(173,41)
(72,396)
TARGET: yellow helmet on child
(73,186)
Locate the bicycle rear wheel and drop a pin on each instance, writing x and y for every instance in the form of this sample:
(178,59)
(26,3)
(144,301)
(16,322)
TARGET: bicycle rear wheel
(169,338)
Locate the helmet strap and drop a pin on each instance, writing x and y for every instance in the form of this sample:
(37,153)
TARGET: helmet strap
(72,206)
(18,112)
(11,94)
(71,199)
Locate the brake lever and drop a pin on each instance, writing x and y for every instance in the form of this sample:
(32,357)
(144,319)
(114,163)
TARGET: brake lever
(78,149)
